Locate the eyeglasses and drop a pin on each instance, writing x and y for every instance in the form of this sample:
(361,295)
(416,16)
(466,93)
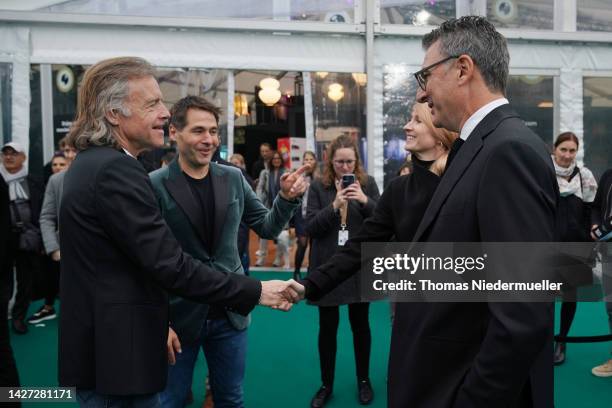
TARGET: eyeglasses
(343,162)
(421,76)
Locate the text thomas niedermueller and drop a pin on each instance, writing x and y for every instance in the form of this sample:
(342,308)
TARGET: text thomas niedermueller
(458,265)
(475,285)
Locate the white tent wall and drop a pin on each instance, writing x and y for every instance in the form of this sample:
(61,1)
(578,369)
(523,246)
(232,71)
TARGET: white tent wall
(243,48)
(198,48)
(14,49)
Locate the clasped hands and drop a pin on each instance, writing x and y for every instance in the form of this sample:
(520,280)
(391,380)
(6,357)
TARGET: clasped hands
(277,294)
(281,295)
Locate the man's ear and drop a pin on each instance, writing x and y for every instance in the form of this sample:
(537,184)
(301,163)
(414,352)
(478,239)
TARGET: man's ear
(112,116)
(466,68)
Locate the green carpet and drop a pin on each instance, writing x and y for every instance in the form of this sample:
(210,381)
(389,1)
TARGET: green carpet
(283,363)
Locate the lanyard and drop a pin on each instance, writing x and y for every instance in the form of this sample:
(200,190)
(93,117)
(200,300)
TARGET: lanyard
(343,215)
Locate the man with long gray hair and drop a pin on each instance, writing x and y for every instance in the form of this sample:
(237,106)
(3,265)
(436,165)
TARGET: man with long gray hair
(119,257)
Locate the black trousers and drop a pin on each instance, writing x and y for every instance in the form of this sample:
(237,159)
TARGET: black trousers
(51,281)
(8,368)
(26,264)
(329,318)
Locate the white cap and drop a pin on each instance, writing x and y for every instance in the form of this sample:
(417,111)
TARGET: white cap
(15,146)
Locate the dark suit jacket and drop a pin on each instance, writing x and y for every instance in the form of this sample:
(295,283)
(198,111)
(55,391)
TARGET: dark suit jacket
(235,201)
(500,187)
(118,260)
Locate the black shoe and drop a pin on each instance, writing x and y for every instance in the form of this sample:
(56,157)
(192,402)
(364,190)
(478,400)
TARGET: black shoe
(559,356)
(321,397)
(42,315)
(366,394)
(19,326)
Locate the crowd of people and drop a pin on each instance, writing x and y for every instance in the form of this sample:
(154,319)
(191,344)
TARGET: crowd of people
(154,266)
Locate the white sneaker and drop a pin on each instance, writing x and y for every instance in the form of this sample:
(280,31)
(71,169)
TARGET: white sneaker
(260,253)
(260,262)
(604,370)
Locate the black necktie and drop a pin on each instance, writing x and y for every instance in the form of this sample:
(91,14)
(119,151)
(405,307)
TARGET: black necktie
(453,150)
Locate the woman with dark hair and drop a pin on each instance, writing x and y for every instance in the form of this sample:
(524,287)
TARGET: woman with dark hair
(268,186)
(299,219)
(396,215)
(578,188)
(333,207)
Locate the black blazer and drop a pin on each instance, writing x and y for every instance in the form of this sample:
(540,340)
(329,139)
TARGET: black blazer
(118,259)
(500,187)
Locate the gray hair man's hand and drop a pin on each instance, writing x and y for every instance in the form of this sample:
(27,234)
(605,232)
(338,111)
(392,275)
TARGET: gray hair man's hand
(281,295)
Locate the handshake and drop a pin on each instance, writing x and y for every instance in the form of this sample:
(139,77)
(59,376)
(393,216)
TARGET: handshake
(281,295)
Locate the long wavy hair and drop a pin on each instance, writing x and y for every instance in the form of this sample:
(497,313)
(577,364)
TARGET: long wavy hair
(329,174)
(104,89)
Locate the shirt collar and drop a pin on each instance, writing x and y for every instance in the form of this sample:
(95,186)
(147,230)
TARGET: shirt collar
(478,116)
(128,153)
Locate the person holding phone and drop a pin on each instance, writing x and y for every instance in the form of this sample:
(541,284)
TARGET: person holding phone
(338,204)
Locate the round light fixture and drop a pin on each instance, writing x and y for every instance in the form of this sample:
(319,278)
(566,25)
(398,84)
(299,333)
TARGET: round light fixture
(335,92)
(360,78)
(269,93)
(269,83)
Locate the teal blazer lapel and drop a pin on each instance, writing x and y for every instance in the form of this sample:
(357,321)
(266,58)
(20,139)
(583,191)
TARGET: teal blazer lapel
(221,190)
(179,189)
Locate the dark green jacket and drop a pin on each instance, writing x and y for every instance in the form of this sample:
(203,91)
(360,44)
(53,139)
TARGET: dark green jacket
(235,200)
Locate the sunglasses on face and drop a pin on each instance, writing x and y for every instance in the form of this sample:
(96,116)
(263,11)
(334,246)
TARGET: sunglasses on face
(422,75)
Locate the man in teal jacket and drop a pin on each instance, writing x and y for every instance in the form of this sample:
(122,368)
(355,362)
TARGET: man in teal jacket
(203,203)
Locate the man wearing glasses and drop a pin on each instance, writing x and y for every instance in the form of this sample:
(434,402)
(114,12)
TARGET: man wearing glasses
(491,352)
(499,186)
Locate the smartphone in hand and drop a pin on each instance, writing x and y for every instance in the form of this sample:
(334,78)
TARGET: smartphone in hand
(347,180)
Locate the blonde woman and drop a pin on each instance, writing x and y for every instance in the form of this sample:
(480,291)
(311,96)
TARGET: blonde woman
(397,214)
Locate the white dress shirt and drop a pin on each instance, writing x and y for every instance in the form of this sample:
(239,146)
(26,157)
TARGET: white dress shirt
(478,116)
